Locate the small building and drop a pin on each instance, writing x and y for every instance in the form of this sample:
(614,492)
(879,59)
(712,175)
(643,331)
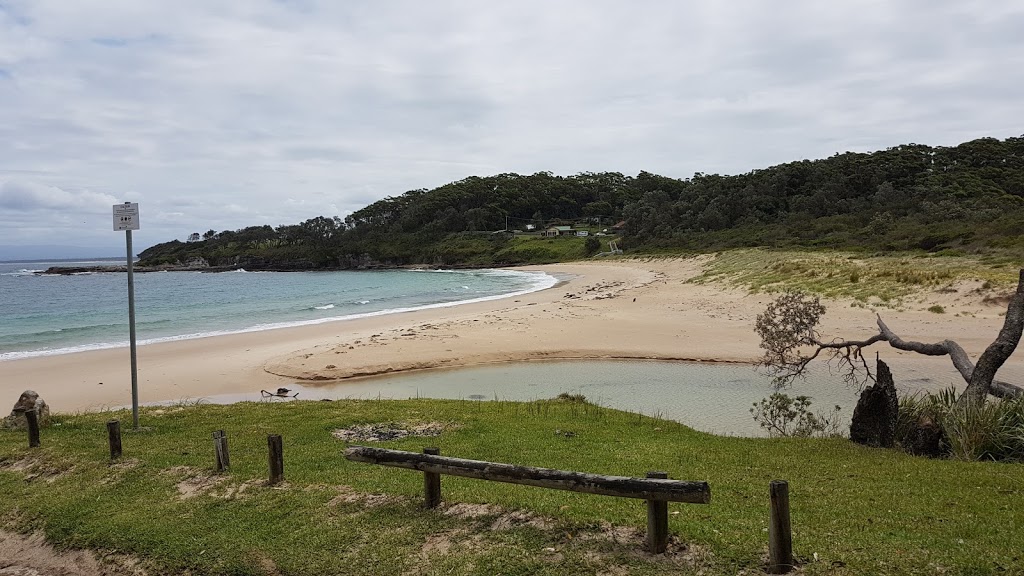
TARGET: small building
(582,233)
(550,232)
(565,230)
(530,227)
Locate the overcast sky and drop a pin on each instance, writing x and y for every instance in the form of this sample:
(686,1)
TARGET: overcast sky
(220,115)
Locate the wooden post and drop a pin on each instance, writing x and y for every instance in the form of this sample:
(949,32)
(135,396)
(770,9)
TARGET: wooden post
(657,521)
(432,482)
(32,418)
(780,538)
(114,438)
(276,458)
(220,451)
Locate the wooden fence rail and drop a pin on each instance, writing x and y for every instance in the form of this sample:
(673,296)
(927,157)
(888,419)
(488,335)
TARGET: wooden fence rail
(657,490)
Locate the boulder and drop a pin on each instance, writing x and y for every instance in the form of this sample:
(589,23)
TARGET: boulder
(874,418)
(29,400)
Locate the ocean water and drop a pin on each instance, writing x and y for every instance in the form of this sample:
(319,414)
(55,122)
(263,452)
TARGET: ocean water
(49,314)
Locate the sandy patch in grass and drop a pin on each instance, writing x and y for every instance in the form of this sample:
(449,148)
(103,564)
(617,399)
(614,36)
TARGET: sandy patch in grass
(32,556)
(385,431)
(196,481)
(348,495)
(519,518)
(37,468)
(467,511)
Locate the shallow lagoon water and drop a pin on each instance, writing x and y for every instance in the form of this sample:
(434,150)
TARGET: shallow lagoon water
(713,397)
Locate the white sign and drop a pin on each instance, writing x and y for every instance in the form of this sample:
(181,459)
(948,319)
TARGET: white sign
(126,216)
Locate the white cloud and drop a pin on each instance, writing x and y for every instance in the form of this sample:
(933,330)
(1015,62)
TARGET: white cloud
(228,114)
(31,197)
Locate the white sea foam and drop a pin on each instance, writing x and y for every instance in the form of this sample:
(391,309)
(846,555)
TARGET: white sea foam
(22,272)
(324,307)
(537,281)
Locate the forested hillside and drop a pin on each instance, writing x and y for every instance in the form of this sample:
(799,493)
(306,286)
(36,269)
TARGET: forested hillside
(968,197)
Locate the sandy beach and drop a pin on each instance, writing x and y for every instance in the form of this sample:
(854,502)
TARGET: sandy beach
(604,309)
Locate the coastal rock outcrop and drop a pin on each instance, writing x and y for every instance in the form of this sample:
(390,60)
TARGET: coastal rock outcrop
(29,400)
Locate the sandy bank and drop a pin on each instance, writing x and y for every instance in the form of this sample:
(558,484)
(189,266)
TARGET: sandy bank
(613,309)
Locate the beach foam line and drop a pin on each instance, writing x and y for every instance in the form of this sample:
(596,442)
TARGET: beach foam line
(540,281)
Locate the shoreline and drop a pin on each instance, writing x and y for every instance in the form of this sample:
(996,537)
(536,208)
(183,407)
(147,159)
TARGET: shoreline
(621,309)
(19,355)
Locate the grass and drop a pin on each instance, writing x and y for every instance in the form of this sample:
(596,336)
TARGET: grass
(858,510)
(882,279)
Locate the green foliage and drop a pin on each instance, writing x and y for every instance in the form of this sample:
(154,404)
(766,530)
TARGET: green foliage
(904,198)
(993,430)
(987,431)
(782,416)
(937,309)
(944,200)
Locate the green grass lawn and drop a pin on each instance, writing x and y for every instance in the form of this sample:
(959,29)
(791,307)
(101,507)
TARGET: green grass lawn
(854,510)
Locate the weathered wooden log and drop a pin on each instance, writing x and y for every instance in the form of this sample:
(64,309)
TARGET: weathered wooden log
(432,483)
(642,488)
(657,521)
(780,537)
(32,419)
(222,459)
(276,453)
(114,438)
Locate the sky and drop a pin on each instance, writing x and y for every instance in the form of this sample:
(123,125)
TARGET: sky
(221,115)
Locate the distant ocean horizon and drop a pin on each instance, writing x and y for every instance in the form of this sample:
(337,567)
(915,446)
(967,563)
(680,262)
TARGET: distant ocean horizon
(43,314)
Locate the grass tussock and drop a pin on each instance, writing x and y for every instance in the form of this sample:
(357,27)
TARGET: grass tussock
(990,431)
(854,510)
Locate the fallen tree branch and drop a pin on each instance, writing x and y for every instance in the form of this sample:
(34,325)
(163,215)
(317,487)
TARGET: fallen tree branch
(788,324)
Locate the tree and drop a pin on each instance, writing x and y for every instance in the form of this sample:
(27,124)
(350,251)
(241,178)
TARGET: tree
(193,237)
(209,234)
(788,328)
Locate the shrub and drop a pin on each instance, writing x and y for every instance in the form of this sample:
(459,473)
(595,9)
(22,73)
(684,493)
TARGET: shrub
(937,309)
(990,431)
(783,416)
(573,398)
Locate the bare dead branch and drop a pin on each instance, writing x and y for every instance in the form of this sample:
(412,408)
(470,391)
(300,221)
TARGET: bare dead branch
(789,325)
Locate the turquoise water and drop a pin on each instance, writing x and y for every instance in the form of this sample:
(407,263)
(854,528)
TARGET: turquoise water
(43,314)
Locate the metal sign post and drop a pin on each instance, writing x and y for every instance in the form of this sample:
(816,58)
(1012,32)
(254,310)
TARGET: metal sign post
(126,217)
